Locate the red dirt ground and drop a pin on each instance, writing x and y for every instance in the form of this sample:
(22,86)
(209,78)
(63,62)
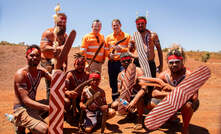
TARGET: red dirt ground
(205,121)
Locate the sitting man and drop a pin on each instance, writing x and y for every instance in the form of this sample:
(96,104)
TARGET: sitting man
(27,110)
(127,93)
(173,76)
(74,78)
(97,105)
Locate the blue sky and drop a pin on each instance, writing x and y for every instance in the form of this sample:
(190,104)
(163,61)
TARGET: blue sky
(195,24)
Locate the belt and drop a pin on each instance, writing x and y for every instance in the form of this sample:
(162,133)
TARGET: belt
(94,60)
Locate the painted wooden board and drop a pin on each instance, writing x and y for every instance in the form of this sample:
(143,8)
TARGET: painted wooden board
(177,98)
(142,54)
(56,100)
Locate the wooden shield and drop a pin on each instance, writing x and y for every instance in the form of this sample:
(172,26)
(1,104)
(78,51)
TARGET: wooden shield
(177,98)
(142,53)
(56,100)
(128,83)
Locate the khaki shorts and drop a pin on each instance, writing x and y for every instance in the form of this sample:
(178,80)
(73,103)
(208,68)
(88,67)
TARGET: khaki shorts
(27,117)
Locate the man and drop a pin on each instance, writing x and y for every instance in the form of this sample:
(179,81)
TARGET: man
(98,105)
(27,110)
(126,61)
(149,41)
(50,37)
(173,76)
(73,79)
(89,46)
(114,51)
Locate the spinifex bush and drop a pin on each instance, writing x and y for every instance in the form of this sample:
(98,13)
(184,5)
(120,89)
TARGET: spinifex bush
(205,57)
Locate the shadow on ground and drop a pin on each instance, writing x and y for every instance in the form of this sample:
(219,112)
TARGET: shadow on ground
(172,128)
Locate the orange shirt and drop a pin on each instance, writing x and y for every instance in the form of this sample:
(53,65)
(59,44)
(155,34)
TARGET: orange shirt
(112,39)
(90,44)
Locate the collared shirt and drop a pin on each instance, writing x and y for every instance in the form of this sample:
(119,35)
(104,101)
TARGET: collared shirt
(112,39)
(90,44)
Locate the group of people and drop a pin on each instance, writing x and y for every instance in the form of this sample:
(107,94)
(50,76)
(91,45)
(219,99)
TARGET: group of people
(82,83)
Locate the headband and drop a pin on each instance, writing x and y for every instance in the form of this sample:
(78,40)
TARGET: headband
(174,57)
(94,75)
(141,20)
(125,58)
(173,60)
(30,50)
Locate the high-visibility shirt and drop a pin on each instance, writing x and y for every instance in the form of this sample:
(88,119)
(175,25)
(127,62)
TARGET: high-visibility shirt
(90,44)
(112,39)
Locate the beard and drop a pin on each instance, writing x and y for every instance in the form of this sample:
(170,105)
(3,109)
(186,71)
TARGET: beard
(177,70)
(61,30)
(141,30)
(33,64)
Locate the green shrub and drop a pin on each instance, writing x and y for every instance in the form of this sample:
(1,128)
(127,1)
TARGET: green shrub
(165,50)
(205,57)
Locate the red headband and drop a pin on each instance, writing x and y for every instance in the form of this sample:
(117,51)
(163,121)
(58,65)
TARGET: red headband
(94,75)
(172,57)
(30,50)
(141,20)
(125,58)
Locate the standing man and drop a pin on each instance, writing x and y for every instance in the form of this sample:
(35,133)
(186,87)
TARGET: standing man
(49,38)
(89,46)
(149,41)
(114,52)
(27,110)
